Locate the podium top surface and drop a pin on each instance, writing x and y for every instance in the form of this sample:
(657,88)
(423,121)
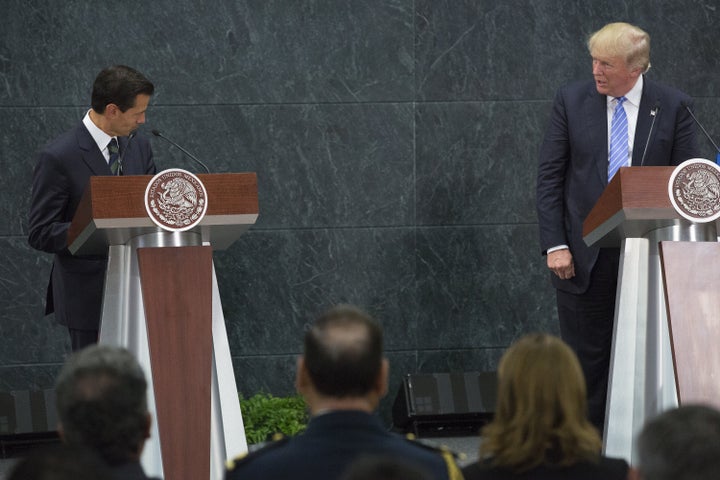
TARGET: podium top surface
(633,204)
(112,211)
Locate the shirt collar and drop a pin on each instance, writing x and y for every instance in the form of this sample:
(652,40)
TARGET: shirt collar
(633,96)
(101,138)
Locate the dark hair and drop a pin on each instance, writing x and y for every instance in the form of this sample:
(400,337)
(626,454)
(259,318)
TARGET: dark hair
(343,352)
(681,444)
(101,402)
(120,85)
(60,462)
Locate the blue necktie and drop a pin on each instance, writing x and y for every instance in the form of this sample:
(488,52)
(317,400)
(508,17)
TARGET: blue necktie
(618,139)
(114,150)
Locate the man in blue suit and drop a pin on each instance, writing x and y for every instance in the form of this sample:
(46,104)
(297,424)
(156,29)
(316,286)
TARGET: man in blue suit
(587,127)
(99,145)
(342,375)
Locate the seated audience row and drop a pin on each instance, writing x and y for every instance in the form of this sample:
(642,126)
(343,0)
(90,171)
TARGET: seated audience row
(540,429)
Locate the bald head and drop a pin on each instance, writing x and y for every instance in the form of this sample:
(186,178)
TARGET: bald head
(343,352)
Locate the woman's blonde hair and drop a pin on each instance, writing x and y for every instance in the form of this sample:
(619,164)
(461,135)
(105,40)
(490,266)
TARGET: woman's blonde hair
(541,411)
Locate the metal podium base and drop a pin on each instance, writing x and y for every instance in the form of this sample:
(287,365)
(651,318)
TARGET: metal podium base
(123,324)
(642,380)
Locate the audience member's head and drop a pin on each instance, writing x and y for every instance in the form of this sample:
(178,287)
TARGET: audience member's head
(681,444)
(101,403)
(380,467)
(343,361)
(60,463)
(541,411)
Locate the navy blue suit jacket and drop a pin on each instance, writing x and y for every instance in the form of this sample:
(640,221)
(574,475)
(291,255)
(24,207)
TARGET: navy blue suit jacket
(329,445)
(62,172)
(572,171)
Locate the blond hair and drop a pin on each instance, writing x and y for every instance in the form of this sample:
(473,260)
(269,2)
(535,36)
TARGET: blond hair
(622,40)
(541,411)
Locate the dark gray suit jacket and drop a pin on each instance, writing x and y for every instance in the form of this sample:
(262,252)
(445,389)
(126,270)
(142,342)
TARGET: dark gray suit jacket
(62,172)
(572,171)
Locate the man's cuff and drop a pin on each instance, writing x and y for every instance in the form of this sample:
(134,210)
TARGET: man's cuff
(559,247)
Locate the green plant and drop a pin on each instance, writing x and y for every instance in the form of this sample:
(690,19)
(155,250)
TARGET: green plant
(265,415)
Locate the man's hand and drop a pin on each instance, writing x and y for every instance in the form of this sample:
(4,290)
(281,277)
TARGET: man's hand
(561,263)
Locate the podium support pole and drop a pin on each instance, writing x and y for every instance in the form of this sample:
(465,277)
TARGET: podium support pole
(178,338)
(642,381)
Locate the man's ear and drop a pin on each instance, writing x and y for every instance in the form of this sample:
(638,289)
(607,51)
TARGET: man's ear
(61,432)
(382,380)
(301,375)
(633,474)
(148,424)
(111,110)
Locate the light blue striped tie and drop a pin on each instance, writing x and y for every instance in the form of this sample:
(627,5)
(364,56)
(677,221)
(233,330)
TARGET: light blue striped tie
(618,139)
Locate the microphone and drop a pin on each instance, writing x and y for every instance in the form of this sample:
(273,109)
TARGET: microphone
(654,114)
(121,157)
(158,134)
(707,135)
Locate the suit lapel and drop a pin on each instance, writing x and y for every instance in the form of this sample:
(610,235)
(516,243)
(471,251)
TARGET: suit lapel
(595,108)
(91,154)
(642,129)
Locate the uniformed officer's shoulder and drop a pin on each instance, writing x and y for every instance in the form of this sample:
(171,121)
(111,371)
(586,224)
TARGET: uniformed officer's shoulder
(448,456)
(247,457)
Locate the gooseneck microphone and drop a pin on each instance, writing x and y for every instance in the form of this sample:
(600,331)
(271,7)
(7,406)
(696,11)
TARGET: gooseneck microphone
(707,135)
(654,113)
(158,134)
(121,157)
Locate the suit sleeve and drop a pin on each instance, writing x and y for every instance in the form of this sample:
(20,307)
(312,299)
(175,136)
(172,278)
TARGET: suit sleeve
(685,141)
(552,167)
(47,220)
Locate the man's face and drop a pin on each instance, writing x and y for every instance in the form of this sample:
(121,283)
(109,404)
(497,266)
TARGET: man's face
(612,75)
(124,123)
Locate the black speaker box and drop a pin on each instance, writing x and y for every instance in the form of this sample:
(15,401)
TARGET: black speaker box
(445,403)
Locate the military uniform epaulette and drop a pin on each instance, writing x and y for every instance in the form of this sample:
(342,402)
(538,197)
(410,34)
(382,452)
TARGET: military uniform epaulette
(277,441)
(448,456)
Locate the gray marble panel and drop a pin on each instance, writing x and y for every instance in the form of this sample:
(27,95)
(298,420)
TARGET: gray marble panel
(23,132)
(470,50)
(706,111)
(468,360)
(274,374)
(317,166)
(28,337)
(272,283)
(269,51)
(28,377)
(477,162)
(481,286)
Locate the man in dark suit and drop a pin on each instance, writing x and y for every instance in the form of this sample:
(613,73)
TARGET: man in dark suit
(342,375)
(101,395)
(622,115)
(100,145)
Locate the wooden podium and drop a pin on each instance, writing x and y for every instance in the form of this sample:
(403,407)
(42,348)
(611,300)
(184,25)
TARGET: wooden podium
(161,301)
(635,213)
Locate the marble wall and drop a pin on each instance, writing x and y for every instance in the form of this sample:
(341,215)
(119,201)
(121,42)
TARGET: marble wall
(395,143)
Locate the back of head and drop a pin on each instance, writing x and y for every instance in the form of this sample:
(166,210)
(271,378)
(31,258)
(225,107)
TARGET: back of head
(622,40)
(120,85)
(60,463)
(343,352)
(101,403)
(541,411)
(681,444)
